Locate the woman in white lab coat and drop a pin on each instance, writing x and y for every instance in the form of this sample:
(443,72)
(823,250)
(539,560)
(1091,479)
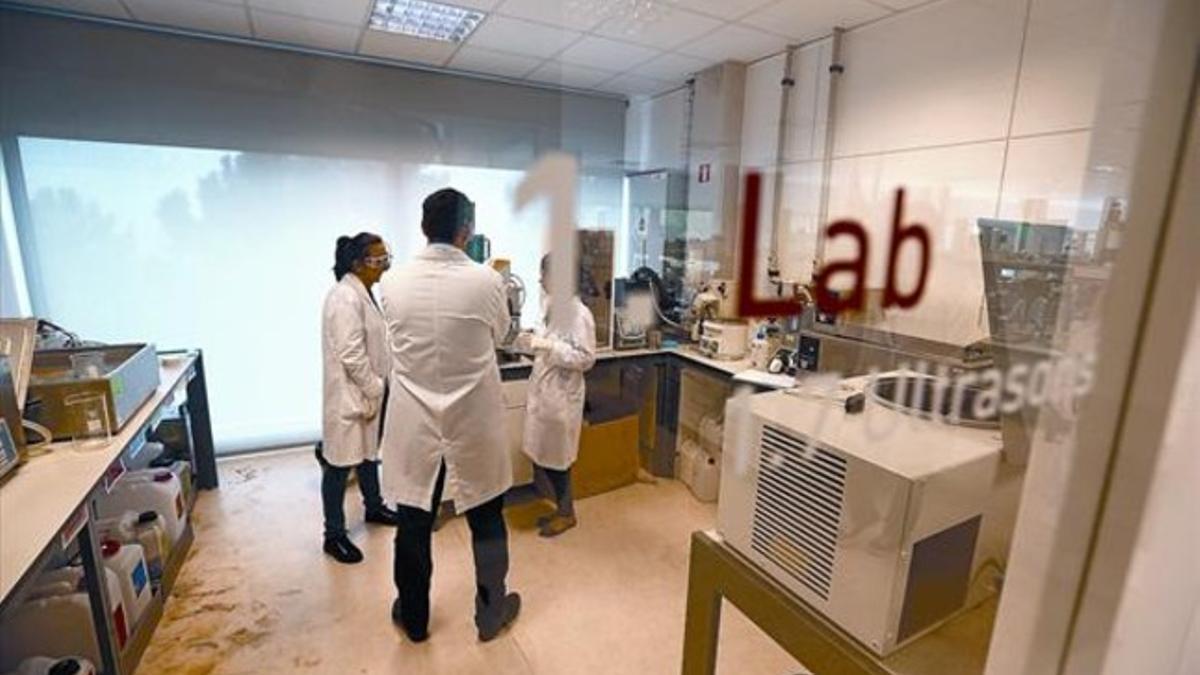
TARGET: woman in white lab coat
(356,364)
(563,351)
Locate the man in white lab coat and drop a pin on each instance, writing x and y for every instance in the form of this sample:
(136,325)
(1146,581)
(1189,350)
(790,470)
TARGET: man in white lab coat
(445,316)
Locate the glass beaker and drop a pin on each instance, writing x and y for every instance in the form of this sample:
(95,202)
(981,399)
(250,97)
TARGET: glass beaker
(88,365)
(88,414)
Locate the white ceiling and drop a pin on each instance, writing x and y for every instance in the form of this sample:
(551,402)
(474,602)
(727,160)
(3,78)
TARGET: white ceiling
(571,43)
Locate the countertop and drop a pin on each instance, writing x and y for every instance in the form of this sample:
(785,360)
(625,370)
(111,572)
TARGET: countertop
(41,496)
(740,370)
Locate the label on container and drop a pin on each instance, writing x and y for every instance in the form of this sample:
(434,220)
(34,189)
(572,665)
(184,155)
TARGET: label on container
(113,474)
(118,386)
(139,578)
(74,526)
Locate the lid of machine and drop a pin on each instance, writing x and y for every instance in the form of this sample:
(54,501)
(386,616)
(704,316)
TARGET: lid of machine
(908,445)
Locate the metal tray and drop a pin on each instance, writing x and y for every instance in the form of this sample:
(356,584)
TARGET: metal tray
(130,377)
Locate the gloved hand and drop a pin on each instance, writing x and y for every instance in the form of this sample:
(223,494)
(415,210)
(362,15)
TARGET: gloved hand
(523,342)
(540,344)
(372,408)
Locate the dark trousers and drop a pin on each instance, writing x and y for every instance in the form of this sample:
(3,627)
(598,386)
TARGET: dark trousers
(556,486)
(414,562)
(333,492)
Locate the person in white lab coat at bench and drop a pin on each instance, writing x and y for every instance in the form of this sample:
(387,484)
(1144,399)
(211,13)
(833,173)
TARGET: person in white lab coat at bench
(355,367)
(563,352)
(446,314)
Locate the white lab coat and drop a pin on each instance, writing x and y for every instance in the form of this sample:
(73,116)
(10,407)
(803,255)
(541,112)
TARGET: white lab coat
(554,403)
(355,364)
(445,315)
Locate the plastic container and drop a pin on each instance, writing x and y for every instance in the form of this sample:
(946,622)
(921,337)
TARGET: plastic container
(43,665)
(155,490)
(706,484)
(59,624)
(129,564)
(182,471)
(61,581)
(689,452)
(148,529)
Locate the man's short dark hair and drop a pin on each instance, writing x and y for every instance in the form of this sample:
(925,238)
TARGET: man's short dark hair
(444,213)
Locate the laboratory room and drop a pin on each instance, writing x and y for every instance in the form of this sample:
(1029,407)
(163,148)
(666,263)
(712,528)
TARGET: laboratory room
(629,337)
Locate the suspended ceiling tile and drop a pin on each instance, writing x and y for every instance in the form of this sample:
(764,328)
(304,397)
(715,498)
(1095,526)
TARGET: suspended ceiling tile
(734,42)
(406,48)
(606,54)
(812,19)
(666,29)
(567,75)
(675,67)
(202,15)
(724,9)
(492,62)
(350,12)
(635,85)
(581,15)
(304,32)
(518,36)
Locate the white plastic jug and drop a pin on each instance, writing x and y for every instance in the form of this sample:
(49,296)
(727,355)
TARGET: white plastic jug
(60,624)
(130,566)
(157,490)
(148,529)
(181,469)
(61,581)
(151,533)
(43,665)
(707,482)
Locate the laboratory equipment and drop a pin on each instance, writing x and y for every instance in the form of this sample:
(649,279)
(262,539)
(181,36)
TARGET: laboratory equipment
(724,340)
(514,292)
(716,328)
(479,248)
(130,376)
(873,518)
(12,435)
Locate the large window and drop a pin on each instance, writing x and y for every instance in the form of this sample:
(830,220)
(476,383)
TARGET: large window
(231,252)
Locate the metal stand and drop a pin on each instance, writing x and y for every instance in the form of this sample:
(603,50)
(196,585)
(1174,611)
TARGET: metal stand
(716,571)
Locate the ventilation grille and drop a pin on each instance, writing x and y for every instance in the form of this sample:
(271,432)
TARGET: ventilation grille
(798,507)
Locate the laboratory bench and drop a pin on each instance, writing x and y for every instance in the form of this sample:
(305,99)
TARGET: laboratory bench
(646,385)
(47,506)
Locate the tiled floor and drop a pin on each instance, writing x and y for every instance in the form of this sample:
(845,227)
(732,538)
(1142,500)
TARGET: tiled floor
(258,596)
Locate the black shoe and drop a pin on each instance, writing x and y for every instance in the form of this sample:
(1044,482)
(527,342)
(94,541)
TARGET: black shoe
(398,619)
(382,515)
(343,550)
(510,608)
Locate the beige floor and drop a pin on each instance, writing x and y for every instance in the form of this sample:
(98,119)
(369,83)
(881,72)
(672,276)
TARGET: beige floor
(258,596)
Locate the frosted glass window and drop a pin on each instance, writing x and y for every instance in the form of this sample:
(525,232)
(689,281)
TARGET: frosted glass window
(231,252)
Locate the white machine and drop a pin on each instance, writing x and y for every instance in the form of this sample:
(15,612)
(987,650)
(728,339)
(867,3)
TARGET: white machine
(725,340)
(718,332)
(873,518)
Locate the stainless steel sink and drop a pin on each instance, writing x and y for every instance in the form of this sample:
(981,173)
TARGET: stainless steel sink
(916,394)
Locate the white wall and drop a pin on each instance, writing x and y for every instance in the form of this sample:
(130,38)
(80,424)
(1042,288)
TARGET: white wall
(977,107)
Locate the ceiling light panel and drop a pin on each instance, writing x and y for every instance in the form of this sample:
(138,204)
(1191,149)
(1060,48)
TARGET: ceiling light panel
(423,19)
